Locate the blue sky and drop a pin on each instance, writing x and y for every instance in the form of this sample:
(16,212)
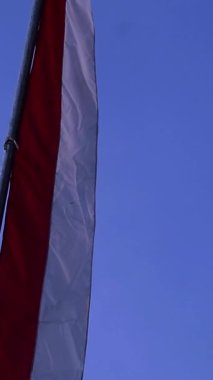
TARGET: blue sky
(152,308)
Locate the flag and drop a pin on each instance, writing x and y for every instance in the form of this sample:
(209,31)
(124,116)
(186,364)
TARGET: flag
(46,256)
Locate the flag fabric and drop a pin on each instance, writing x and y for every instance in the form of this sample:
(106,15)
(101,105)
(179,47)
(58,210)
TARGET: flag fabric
(46,257)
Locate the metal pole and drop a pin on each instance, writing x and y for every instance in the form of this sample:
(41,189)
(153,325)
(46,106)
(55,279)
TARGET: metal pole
(11,143)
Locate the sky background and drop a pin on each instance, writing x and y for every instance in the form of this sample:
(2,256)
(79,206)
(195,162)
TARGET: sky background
(152,306)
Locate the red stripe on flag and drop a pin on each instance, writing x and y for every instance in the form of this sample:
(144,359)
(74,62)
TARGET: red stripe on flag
(26,234)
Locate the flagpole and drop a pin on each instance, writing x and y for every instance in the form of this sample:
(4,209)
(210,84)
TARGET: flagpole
(11,143)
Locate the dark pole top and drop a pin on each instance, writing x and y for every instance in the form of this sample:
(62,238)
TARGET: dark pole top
(11,143)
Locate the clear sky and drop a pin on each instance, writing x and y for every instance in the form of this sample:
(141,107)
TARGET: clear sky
(152,306)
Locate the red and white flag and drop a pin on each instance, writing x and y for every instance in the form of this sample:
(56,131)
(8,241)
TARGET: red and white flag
(46,258)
